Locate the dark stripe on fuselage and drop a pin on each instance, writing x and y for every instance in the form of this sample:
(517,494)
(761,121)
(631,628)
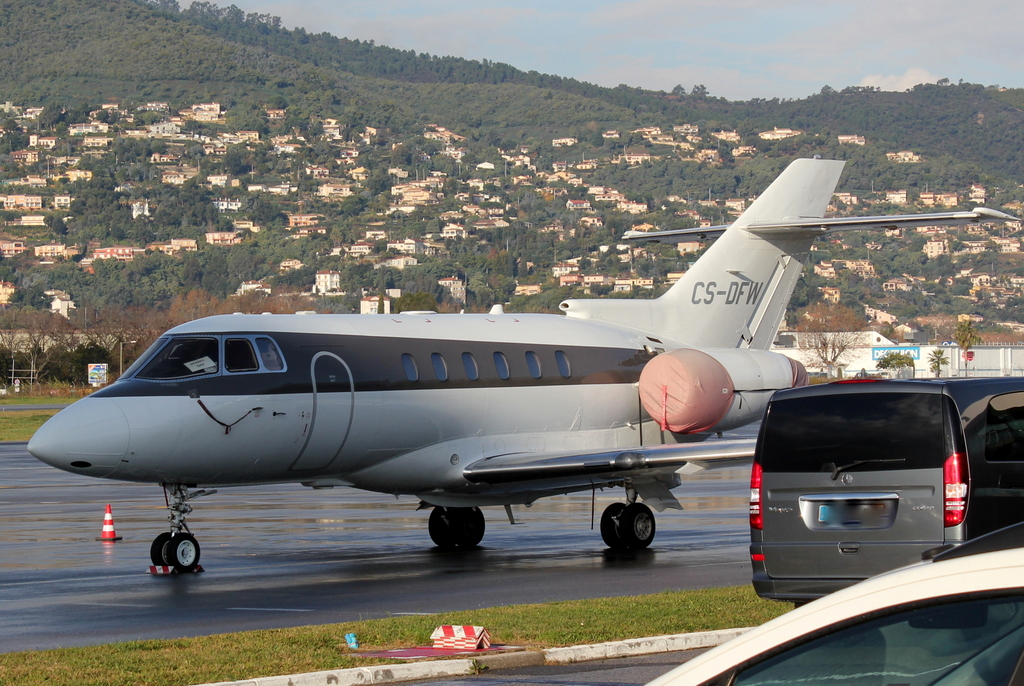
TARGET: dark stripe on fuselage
(376,365)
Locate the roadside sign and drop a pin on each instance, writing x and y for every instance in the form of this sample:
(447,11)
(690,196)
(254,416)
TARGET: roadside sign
(97,374)
(913,351)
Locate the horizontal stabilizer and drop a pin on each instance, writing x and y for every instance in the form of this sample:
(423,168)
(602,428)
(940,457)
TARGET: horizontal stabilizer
(814,225)
(676,235)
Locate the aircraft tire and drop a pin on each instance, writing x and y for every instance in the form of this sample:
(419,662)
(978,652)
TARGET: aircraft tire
(156,551)
(610,526)
(636,526)
(469,526)
(182,552)
(440,527)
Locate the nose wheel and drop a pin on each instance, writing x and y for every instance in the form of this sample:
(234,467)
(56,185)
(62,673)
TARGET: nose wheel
(627,527)
(456,527)
(177,548)
(156,551)
(182,552)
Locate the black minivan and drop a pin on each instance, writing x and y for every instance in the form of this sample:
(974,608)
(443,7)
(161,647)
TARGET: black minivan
(854,478)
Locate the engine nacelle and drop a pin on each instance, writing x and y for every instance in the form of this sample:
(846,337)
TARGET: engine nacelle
(691,391)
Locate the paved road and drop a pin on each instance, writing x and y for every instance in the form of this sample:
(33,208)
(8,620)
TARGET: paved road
(287,556)
(622,671)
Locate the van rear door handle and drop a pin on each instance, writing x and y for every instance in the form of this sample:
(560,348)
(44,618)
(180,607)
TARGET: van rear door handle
(849,547)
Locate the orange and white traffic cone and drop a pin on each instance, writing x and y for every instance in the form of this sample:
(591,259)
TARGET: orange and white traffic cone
(108,528)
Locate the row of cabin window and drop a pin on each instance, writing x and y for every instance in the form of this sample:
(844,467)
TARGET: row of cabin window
(437,361)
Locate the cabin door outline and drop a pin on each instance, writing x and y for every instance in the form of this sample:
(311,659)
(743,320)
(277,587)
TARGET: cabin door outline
(333,410)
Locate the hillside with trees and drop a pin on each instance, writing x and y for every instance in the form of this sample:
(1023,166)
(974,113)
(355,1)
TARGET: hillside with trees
(149,151)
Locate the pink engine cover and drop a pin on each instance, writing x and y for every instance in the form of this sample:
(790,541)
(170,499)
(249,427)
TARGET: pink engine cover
(799,373)
(686,390)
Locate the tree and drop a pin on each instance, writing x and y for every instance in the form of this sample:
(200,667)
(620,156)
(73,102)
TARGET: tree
(412,302)
(831,331)
(965,336)
(895,361)
(936,359)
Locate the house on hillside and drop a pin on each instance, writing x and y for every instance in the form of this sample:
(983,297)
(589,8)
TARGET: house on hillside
(60,303)
(223,237)
(778,134)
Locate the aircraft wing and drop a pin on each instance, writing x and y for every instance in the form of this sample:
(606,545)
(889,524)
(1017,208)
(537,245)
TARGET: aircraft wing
(651,469)
(816,225)
(614,464)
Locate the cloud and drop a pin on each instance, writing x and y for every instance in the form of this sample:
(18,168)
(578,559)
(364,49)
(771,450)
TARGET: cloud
(910,78)
(737,48)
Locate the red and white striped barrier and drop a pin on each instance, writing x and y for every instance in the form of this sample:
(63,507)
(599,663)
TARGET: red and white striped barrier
(162,569)
(461,637)
(108,533)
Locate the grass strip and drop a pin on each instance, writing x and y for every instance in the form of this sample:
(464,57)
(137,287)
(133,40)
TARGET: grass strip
(19,426)
(250,654)
(19,399)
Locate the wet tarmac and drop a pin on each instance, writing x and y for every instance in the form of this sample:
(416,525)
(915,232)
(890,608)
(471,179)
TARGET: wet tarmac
(624,671)
(287,555)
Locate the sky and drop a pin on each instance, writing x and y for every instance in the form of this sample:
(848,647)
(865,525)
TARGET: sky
(738,49)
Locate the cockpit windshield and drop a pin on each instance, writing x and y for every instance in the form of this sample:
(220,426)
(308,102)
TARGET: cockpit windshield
(143,358)
(182,358)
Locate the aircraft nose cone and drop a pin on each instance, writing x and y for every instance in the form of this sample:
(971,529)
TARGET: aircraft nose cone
(89,437)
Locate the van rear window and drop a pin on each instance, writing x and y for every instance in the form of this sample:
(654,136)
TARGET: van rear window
(821,433)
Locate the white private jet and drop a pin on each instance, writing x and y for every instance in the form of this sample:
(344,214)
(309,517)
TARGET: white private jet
(470,410)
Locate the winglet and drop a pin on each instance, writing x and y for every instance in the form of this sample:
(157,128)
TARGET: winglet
(995,214)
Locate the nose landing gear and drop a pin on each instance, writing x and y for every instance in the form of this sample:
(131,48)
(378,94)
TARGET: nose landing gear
(627,526)
(452,527)
(178,548)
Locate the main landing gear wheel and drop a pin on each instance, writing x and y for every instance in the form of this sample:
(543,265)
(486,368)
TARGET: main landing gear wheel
(452,527)
(181,551)
(627,527)
(609,526)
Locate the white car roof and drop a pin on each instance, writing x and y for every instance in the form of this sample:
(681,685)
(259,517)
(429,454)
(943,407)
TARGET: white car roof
(922,581)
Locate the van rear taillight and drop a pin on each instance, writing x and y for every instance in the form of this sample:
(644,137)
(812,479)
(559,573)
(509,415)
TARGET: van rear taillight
(756,520)
(954,489)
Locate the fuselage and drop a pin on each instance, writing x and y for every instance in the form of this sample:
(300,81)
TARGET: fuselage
(390,403)
(405,403)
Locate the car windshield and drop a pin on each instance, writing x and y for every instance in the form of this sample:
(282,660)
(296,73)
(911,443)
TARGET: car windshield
(182,358)
(968,642)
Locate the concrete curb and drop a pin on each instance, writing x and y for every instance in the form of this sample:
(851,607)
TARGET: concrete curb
(380,674)
(641,646)
(435,669)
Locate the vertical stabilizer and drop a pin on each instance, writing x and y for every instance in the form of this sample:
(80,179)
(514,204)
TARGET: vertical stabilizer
(802,190)
(736,294)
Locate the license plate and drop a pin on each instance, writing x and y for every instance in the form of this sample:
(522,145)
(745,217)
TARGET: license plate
(855,515)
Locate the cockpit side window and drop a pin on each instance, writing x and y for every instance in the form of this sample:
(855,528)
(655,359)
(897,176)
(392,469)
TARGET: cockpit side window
(239,355)
(182,358)
(269,354)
